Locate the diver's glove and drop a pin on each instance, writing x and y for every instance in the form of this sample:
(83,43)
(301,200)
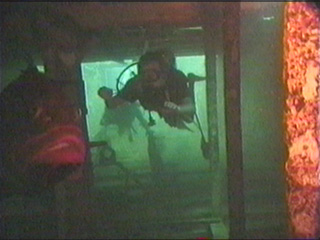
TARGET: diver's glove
(171,105)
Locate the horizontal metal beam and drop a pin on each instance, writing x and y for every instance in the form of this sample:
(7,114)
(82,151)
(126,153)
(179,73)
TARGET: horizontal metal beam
(103,16)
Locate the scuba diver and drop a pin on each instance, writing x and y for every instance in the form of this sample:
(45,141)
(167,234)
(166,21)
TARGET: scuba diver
(159,87)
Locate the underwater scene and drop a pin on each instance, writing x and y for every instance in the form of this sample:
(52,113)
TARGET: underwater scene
(217,136)
(160,174)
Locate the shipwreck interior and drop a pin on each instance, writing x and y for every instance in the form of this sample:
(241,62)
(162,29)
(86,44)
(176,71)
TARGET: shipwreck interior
(233,54)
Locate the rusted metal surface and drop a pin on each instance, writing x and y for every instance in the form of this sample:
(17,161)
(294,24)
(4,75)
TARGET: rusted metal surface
(132,14)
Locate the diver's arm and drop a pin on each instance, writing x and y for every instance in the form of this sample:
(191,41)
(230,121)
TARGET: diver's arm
(187,106)
(127,95)
(115,102)
(112,101)
(185,110)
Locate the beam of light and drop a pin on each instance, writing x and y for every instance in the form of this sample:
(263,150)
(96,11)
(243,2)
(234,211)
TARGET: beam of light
(302,81)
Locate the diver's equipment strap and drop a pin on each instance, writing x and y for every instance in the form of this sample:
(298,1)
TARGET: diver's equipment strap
(120,75)
(199,126)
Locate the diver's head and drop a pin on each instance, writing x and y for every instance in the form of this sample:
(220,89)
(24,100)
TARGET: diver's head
(153,68)
(168,58)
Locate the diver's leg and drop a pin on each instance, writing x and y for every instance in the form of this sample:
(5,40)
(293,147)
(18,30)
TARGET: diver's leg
(155,157)
(107,155)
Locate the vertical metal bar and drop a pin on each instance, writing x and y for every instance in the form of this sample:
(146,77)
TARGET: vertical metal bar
(210,48)
(88,171)
(231,45)
(212,28)
(211,92)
